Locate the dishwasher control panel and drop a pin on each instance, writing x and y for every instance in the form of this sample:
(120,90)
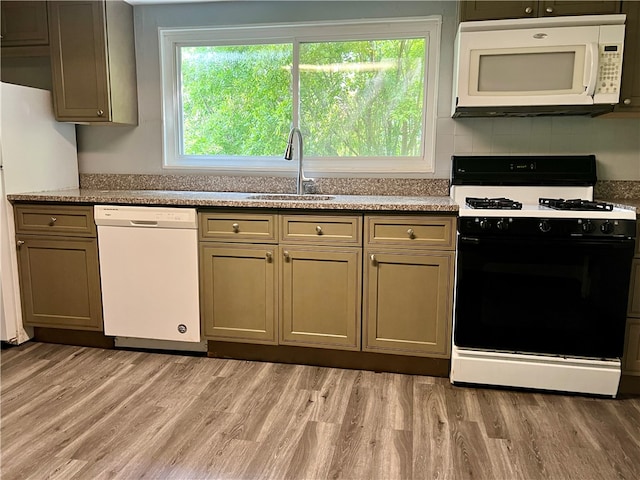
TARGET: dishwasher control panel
(134,216)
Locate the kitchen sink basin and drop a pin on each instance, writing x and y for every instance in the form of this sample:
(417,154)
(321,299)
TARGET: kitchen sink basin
(290,196)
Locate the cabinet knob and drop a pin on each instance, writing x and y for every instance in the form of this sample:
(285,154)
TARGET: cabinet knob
(100,113)
(236,227)
(549,10)
(373,258)
(52,221)
(269,256)
(411,233)
(528,10)
(19,243)
(627,101)
(319,230)
(285,254)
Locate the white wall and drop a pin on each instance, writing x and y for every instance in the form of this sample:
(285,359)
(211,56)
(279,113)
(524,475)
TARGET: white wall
(131,150)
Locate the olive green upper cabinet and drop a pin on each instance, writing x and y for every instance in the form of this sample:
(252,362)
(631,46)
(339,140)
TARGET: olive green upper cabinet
(93,62)
(497,10)
(24,24)
(629,105)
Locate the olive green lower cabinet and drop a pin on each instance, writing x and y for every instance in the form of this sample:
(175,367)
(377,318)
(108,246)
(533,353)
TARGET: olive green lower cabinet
(281,279)
(408,291)
(58,263)
(320,296)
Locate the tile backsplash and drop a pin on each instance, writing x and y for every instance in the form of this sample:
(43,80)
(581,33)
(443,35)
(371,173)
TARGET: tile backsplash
(615,142)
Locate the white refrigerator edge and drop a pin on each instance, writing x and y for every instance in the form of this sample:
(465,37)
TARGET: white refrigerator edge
(37,154)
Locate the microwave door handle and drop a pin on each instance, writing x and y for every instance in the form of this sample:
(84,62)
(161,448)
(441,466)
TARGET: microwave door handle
(591,69)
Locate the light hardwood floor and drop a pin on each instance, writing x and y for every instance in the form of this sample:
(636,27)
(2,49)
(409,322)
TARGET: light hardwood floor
(85,413)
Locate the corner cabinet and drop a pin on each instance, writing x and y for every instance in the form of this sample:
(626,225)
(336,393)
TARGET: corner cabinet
(473,10)
(631,357)
(408,285)
(93,62)
(58,267)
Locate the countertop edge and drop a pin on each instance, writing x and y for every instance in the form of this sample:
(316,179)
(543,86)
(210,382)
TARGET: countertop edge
(239,200)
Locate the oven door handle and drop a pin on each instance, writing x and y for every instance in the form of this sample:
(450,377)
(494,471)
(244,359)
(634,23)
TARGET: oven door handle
(472,240)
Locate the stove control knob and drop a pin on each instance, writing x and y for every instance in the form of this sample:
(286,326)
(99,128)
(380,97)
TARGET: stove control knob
(588,226)
(607,227)
(485,224)
(544,226)
(502,224)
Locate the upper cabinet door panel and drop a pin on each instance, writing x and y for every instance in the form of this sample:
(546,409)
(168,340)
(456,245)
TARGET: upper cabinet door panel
(559,8)
(496,10)
(79,61)
(24,24)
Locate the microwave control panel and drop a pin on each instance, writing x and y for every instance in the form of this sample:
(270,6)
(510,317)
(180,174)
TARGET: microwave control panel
(609,68)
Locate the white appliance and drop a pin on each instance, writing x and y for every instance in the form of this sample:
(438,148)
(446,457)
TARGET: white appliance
(149,273)
(542,275)
(538,66)
(37,153)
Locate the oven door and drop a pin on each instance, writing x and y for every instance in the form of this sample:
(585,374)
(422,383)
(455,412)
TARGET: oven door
(563,297)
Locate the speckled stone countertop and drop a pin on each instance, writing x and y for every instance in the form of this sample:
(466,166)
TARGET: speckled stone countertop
(245,200)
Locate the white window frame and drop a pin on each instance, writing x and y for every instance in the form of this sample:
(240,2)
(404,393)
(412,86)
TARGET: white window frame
(172,39)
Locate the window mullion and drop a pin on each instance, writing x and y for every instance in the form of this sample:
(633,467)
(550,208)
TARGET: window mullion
(295,84)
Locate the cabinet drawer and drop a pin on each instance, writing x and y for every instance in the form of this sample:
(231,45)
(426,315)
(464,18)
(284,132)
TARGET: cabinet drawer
(322,229)
(417,232)
(238,227)
(55,220)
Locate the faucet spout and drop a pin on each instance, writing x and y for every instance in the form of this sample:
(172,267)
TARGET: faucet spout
(288,155)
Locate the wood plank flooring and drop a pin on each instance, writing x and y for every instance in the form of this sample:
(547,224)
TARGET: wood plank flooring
(87,413)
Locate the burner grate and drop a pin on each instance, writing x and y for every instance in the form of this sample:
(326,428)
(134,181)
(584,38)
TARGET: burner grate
(494,203)
(575,204)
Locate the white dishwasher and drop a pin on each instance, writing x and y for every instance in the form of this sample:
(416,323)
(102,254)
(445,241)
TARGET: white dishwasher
(149,272)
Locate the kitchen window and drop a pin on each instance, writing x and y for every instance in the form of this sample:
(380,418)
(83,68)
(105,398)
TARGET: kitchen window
(363,93)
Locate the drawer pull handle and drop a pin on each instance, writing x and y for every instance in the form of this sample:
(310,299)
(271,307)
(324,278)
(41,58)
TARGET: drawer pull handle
(549,10)
(411,233)
(19,243)
(269,256)
(373,258)
(319,230)
(236,227)
(528,10)
(52,221)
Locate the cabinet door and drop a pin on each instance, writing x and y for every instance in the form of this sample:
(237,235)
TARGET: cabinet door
(630,88)
(558,8)
(238,286)
(634,292)
(60,282)
(408,302)
(24,24)
(496,10)
(631,359)
(79,61)
(321,295)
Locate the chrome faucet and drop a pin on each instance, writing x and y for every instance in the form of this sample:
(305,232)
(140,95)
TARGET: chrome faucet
(303,182)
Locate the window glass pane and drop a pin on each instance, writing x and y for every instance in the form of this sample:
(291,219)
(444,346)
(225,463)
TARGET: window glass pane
(236,100)
(362,98)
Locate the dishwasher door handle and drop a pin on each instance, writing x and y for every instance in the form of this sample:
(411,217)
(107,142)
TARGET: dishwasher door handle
(144,223)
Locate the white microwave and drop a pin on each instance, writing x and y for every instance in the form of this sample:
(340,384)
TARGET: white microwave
(545,66)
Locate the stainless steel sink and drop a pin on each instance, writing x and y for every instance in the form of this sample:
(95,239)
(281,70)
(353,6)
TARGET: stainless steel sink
(290,196)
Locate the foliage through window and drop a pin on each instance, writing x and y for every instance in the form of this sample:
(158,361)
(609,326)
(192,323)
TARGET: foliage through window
(363,94)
